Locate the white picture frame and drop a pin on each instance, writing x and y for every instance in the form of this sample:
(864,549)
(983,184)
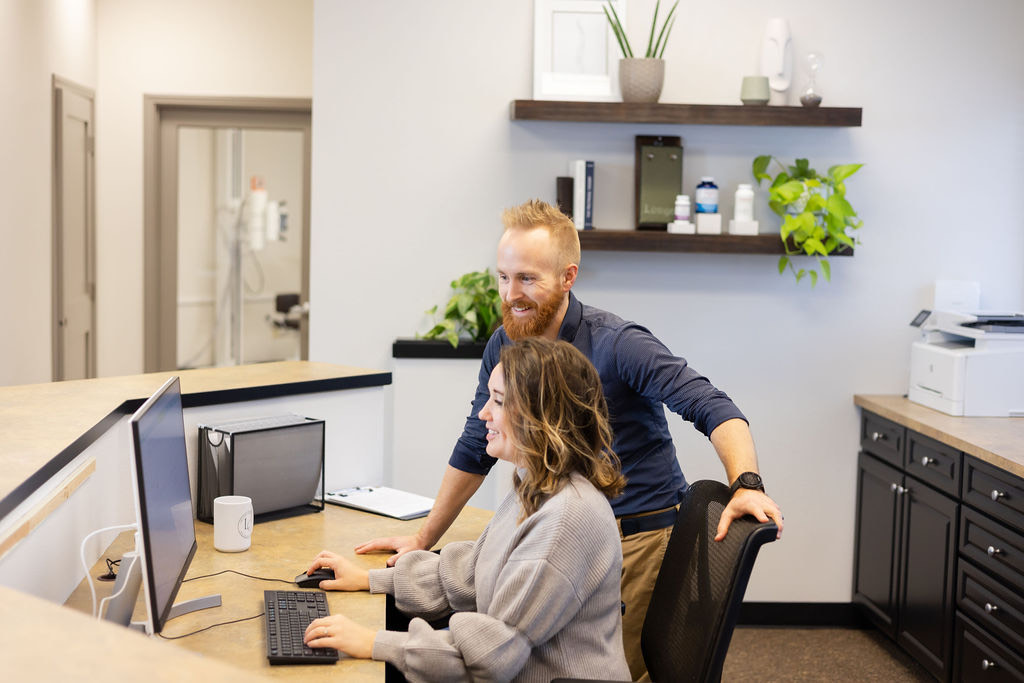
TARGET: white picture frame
(575,53)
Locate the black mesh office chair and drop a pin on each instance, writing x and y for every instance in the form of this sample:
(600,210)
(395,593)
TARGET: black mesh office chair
(699,589)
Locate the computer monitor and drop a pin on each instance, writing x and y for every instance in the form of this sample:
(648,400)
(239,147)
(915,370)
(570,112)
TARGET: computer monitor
(166,538)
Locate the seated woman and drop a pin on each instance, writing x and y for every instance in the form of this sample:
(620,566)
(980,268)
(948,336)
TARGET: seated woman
(537,595)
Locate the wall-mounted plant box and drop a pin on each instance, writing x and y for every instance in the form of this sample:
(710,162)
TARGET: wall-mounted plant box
(436,348)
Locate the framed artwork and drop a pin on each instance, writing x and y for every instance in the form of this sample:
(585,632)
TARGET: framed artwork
(575,54)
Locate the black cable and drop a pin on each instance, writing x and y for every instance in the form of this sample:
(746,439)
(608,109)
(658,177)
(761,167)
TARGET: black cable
(111,574)
(250,576)
(223,623)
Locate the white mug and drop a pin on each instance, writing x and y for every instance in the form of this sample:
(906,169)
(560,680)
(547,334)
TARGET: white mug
(232,523)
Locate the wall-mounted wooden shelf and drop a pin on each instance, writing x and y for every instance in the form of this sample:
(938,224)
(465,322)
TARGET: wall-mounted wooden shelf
(656,240)
(702,114)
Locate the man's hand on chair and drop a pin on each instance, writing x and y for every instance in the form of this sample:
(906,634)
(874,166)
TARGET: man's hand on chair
(749,502)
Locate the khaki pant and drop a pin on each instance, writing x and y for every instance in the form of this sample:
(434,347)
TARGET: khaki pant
(641,559)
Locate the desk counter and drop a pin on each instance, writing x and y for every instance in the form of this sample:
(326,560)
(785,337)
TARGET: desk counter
(280,549)
(43,427)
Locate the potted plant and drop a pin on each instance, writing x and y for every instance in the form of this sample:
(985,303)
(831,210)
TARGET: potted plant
(816,216)
(641,78)
(473,312)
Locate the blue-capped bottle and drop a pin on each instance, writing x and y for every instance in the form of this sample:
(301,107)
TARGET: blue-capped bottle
(707,195)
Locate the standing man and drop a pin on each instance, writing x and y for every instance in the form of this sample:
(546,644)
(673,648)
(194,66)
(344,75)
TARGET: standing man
(538,260)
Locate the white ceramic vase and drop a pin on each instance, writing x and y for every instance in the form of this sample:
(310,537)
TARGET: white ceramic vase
(641,78)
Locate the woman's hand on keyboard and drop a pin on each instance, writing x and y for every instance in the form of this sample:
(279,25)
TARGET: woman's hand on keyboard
(342,634)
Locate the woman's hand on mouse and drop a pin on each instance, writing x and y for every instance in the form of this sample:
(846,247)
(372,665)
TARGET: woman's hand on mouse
(342,634)
(347,576)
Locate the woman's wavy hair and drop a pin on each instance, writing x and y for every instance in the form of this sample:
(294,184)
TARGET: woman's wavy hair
(558,421)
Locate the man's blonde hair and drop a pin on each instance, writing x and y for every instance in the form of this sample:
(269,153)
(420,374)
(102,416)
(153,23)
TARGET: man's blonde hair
(538,214)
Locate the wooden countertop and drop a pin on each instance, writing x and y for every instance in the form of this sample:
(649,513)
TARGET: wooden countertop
(280,549)
(998,441)
(52,643)
(40,421)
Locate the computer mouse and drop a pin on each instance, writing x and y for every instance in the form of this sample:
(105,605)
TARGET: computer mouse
(313,580)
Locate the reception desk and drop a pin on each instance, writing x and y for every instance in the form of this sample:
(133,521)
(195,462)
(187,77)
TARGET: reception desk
(64,472)
(65,449)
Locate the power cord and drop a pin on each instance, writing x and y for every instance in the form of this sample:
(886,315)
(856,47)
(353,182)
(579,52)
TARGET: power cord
(223,623)
(232,571)
(111,574)
(81,556)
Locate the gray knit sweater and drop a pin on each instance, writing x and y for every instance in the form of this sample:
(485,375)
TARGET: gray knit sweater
(533,600)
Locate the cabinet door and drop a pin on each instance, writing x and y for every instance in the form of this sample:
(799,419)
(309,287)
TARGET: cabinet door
(927,572)
(876,554)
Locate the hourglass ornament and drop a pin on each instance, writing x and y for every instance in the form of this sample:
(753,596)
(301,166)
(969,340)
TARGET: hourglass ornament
(810,96)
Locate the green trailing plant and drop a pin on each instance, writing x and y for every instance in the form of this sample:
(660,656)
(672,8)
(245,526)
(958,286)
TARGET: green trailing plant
(816,217)
(473,311)
(655,48)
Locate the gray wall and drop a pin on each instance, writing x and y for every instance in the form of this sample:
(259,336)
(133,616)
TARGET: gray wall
(415,155)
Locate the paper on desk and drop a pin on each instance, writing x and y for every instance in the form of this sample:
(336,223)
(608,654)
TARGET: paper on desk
(382,501)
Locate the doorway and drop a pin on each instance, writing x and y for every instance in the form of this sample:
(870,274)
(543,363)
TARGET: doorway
(227,231)
(74,232)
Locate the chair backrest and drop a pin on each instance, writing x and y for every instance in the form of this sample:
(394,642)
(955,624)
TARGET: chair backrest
(700,586)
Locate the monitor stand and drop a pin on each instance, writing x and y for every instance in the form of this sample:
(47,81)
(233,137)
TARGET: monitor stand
(129,577)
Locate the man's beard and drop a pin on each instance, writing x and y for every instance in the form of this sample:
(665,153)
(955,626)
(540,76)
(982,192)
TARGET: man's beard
(535,325)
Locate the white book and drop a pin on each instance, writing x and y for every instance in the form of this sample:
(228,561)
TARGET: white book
(382,501)
(578,171)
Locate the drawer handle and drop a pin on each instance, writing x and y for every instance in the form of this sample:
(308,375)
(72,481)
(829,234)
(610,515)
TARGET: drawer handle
(993,551)
(878,436)
(925,461)
(990,608)
(996,495)
(987,664)
(897,489)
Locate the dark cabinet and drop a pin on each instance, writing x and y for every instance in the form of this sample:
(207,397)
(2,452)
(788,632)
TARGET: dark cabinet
(927,570)
(906,549)
(875,576)
(939,553)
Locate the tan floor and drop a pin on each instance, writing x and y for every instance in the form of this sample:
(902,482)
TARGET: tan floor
(817,654)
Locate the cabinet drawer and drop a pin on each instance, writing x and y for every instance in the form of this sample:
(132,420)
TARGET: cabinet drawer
(995,607)
(882,438)
(994,491)
(980,658)
(933,462)
(993,547)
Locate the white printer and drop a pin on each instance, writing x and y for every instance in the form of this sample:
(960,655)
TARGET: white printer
(969,364)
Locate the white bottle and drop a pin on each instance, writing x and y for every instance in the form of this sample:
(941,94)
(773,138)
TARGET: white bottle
(682,211)
(744,206)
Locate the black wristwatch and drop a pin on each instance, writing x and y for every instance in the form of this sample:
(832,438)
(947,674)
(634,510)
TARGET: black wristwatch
(747,480)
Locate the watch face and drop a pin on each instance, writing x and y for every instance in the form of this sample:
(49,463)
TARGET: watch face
(750,480)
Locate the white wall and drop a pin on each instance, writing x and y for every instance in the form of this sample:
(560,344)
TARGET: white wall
(38,38)
(414,156)
(258,48)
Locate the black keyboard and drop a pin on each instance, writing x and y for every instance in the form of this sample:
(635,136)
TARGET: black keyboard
(288,613)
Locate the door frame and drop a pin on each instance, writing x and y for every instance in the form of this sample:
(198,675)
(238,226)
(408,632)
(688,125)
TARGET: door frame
(162,116)
(57,84)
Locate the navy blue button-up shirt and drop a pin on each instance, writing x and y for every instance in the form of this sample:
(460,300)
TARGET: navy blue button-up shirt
(638,374)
